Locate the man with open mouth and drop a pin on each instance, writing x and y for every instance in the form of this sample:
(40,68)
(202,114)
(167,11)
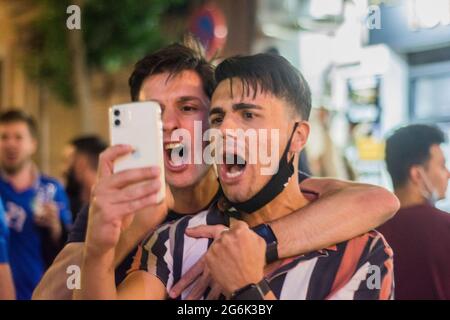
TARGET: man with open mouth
(181,81)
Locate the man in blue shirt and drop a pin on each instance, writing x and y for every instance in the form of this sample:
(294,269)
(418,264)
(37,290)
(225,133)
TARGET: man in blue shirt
(6,283)
(37,209)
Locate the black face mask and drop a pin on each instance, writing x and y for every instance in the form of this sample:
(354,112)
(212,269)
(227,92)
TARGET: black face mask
(273,188)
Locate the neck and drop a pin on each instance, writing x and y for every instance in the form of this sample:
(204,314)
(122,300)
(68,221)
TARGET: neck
(409,196)
(192,199)
(23,178)
(291,199)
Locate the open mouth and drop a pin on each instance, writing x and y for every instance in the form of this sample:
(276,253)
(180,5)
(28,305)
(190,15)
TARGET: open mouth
(175,154)
(233,165)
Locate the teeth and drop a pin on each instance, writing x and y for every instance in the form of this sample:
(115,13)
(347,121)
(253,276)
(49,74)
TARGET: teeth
(234,174)
(234,171)
(173,145)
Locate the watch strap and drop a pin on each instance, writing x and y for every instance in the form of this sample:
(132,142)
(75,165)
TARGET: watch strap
(252,291)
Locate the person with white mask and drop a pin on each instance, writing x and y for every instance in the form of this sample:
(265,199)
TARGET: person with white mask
(416,162)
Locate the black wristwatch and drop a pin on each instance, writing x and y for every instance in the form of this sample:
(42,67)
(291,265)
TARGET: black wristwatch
(266,232)
(253,291)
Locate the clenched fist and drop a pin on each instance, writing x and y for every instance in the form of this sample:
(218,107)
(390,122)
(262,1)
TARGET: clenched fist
(236,258)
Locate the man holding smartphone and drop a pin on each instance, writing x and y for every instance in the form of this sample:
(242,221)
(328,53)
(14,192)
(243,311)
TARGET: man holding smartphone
(182,81)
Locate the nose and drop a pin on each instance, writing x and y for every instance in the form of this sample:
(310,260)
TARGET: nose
(228,126)
(170,120)
(228,129)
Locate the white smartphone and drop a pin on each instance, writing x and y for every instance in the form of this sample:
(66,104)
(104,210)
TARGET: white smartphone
(138,124)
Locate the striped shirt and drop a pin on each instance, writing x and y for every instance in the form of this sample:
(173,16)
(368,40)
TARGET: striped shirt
(361,268)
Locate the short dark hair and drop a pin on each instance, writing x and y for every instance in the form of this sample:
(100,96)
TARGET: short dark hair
(16,115)
(269,73)
(91,146)
(410,146)
(173,59)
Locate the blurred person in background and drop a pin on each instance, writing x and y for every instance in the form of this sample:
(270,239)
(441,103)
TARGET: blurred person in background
(37,209)
(80,173)
(6,281)
(416,163)
(71,186)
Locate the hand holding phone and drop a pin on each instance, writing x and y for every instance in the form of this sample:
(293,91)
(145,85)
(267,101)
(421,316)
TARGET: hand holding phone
(138,125)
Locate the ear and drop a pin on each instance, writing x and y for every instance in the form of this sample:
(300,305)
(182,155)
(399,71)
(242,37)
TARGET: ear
(300,137)
(414,175)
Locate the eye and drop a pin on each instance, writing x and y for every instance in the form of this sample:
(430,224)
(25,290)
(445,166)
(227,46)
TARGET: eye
(248,115)
(216,120)
(188,108)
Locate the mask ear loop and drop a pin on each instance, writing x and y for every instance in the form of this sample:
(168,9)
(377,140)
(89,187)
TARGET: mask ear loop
(432,195)
(291,162)
(289,144)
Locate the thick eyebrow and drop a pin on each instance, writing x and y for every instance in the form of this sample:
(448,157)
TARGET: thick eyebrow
(236,107)
(216,110)
(245,106)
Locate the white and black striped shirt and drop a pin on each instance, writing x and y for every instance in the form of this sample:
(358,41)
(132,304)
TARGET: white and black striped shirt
(361,268)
